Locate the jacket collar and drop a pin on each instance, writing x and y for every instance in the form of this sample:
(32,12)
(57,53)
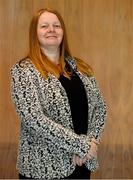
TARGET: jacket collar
(71,61)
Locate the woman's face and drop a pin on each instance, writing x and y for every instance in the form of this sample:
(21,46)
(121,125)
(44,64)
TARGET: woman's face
(49,30)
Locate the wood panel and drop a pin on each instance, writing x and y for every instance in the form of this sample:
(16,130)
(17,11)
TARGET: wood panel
(100,32)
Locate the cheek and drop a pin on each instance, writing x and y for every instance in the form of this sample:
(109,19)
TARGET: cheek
(61,35)
(40,35)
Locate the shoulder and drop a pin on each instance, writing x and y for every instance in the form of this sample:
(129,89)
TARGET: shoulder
(82,62)
(84,67)
(22,66)
(26,71)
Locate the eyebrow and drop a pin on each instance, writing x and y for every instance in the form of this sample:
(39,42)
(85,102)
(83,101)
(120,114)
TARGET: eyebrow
(56,22)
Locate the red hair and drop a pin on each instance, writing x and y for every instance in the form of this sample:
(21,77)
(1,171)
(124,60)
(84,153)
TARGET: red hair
(42,63)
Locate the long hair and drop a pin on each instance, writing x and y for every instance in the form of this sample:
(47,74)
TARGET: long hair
(41,62)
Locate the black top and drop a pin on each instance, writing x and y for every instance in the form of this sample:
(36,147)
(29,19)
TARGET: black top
(78,102)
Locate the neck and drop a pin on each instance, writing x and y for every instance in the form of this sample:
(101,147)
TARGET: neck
(52,54)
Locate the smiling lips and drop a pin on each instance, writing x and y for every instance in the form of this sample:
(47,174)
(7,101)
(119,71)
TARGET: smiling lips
(51,36)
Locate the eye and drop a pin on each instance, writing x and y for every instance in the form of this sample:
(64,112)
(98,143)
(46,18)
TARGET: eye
(44,26)
(57,26)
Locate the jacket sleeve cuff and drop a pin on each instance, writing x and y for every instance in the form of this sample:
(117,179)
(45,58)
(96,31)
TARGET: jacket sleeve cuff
(83,146)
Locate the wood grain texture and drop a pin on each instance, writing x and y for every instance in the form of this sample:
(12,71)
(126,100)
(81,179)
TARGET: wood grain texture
(100,32)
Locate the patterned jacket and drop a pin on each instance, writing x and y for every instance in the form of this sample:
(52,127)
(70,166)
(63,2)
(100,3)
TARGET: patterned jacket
(47,139)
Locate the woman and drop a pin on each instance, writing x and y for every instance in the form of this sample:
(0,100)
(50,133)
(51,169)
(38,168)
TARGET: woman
(60,106)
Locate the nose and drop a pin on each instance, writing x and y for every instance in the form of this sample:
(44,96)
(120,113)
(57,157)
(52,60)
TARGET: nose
(51,28)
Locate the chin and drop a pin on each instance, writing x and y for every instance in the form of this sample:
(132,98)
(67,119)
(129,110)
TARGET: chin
(52,44)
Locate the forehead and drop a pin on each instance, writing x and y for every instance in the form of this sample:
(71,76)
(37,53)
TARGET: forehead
(48,17)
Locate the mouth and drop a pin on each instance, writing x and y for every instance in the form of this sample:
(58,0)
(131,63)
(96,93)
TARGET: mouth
(51,36)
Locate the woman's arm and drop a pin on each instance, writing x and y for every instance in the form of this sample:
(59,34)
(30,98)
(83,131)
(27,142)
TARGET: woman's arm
(97,126)
(25,97)
(99,112)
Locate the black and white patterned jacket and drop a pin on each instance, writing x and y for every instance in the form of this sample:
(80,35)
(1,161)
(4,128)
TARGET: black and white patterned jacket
(47,138)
